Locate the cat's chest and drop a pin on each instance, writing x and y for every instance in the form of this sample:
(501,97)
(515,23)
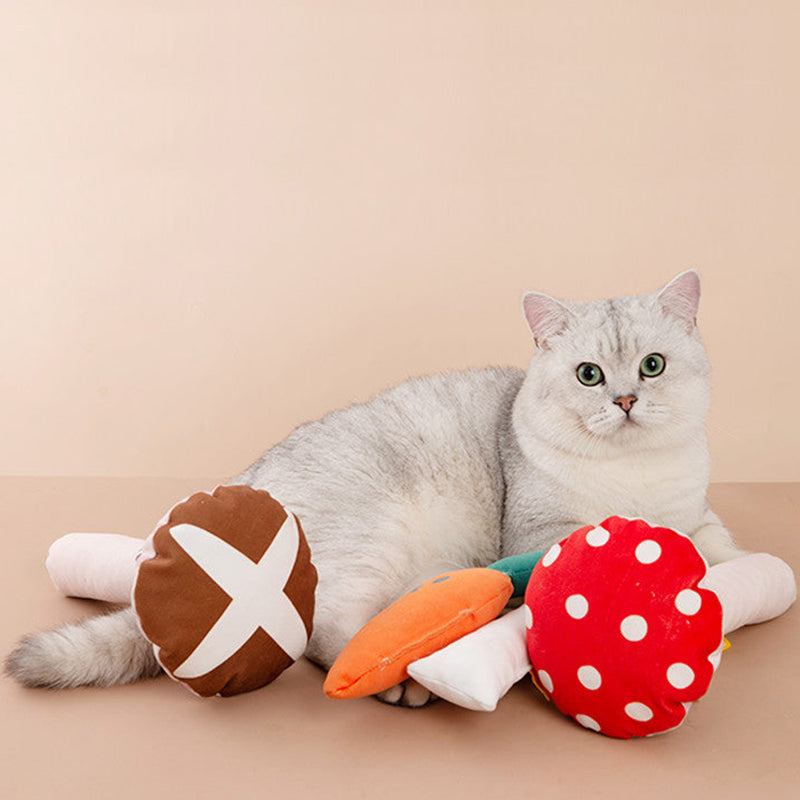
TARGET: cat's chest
(665,488)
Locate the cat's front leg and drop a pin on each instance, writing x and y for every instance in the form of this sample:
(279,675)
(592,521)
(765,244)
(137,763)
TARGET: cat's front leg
(715,541)
(530,535)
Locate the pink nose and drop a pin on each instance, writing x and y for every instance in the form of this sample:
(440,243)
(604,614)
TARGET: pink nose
(626,403)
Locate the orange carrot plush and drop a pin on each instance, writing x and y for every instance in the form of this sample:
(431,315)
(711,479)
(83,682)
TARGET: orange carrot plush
(420,623)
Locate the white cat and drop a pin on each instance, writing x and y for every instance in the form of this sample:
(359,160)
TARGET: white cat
(459,469)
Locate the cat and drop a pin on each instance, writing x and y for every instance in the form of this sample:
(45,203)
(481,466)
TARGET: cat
(459,469)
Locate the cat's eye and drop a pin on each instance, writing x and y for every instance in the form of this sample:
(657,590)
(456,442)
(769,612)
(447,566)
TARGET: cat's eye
(590,374)
(652,365)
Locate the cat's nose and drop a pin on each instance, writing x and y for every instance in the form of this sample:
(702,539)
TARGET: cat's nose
(626,402)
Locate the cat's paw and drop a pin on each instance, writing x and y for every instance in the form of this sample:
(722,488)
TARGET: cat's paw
(716,544)
(408,694)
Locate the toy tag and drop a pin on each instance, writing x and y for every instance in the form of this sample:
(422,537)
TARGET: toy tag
(536,683)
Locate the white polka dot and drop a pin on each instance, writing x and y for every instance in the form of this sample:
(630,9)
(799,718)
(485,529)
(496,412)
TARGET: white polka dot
(551,555)
(587,722)
(688,602)
(577,606)
(648,552)
(634,628)
(680,675)
(589,677)
(528,617)
(597,537)
(639,712)
(545,680)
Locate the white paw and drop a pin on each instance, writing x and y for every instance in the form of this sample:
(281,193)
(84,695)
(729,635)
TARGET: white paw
(716,545)
(408,694)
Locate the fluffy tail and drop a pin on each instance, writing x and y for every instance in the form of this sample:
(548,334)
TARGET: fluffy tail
(101,651)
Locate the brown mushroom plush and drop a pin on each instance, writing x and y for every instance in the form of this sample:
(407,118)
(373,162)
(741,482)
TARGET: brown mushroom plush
(225,591)
(223,588)
(625,624)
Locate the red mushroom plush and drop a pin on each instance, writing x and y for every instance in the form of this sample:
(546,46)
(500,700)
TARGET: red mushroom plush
(625,623)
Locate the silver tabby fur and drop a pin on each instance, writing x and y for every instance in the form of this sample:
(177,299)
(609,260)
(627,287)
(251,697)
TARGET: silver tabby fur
(457,470)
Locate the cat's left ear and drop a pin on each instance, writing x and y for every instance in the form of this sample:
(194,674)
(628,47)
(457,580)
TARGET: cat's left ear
(681,297)
(545,315)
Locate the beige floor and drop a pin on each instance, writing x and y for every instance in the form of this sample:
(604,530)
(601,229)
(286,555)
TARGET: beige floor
(155,739)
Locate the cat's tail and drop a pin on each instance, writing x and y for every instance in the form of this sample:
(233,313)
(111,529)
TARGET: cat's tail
(101,651)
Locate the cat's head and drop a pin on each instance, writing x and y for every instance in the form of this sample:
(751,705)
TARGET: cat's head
(616,376)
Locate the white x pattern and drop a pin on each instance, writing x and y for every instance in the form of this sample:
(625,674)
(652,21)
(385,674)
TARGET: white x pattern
(256,592)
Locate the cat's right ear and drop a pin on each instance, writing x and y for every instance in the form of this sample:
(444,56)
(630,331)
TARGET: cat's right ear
(546,316)
(681,297)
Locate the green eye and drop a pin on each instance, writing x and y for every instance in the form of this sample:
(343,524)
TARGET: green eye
(590,374)
(652,365)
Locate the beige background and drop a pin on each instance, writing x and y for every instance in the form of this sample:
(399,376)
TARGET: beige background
(220,220)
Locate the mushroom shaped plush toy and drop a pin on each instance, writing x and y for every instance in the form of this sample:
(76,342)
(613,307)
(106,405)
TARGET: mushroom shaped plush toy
(644,618)
(622,628)
(223,588)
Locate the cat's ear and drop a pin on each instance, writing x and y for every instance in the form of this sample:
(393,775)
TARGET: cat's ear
(546,316)
(681,297)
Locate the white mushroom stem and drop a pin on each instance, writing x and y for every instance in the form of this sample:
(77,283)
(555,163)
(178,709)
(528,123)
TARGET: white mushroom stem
(478,669)
(99,566)
(752,589)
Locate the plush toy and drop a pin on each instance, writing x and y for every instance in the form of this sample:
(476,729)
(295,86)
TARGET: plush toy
(223,588)
(435,614)
(622,627)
